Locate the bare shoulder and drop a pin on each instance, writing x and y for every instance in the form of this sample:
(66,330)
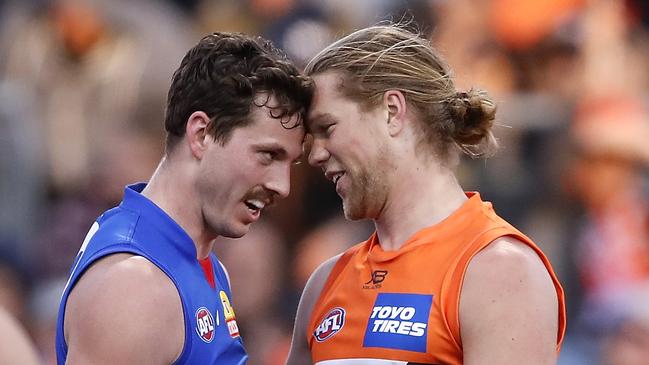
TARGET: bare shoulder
(315,284)
(508,307)
(508,253)
(117,310)
(508,266)
(299,352)
(321,274)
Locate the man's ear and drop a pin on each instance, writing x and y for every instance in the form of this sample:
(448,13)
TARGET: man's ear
(196,133)
(395,103)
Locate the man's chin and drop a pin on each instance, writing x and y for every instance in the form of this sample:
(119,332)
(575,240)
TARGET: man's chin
(352,213)
(236,232)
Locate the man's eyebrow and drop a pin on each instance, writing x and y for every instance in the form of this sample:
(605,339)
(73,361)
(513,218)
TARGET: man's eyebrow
(272,146)
(321,116)
(318,118)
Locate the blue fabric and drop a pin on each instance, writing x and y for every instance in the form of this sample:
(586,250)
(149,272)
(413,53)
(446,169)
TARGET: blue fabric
(140,227)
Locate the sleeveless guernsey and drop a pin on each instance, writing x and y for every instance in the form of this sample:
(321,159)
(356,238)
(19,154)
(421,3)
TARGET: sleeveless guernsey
(400,307)
(139,227)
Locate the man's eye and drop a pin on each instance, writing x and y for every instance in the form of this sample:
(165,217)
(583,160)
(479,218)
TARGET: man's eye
(329,129)
(268,156)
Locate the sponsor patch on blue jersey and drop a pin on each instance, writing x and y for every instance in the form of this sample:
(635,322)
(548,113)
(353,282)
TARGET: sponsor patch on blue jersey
(399,321)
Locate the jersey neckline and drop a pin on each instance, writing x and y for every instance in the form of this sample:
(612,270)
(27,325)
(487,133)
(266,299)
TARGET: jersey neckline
(440,232)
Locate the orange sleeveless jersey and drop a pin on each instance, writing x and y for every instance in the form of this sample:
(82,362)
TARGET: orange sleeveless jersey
(403,306)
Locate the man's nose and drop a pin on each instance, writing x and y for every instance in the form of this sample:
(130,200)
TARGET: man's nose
(318,154)
(280,181)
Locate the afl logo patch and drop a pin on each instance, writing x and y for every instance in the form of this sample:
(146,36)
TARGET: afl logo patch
(205,324)
(330,325)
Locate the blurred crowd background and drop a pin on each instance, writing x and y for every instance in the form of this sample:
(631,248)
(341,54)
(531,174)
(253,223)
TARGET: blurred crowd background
(82,94)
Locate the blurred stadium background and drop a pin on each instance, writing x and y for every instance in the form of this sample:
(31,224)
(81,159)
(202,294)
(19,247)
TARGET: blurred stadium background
(82,93)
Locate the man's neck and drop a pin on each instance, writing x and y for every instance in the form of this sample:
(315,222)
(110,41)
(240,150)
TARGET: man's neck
(170,189)
(421,197)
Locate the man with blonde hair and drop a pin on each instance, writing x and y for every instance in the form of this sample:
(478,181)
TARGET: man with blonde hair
(443,280)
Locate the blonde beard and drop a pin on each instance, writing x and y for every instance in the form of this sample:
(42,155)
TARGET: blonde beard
(369,190)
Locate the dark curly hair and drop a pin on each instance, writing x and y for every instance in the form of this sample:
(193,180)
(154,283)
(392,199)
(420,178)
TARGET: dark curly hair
(222,76)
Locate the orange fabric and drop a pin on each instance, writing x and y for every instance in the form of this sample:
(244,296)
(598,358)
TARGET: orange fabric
(522,24)
(432,263)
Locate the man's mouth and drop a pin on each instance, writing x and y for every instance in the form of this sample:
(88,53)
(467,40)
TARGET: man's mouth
(255,205)
(337,177)
(334,176)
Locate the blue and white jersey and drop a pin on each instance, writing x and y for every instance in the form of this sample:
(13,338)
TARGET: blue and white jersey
(139,227)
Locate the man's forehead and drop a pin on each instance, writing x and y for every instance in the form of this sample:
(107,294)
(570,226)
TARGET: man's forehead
(265,104)
(329,81)
(265,100)
(326,96)
(328,88)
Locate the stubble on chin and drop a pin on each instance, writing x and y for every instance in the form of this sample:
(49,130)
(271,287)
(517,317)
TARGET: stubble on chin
(223,229)
(234,233)
(353,205)
(364,200)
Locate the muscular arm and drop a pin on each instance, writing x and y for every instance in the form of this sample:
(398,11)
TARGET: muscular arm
(299,353)
(124,310)
(508,307)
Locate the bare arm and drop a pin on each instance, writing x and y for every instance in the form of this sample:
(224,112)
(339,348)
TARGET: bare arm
(124,310)
(300,353)
(508,307)
(17,348)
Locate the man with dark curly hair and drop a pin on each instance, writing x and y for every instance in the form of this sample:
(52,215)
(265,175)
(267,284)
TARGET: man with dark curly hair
(145,287)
